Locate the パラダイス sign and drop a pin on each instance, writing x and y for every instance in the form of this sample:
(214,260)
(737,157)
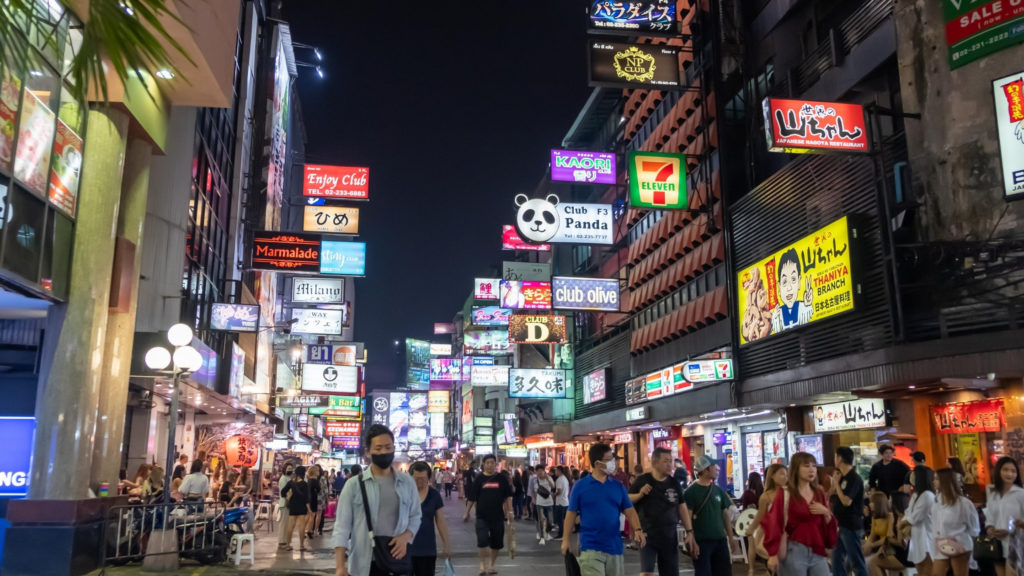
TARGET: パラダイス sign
(348,182)
(643,17)
(809,126)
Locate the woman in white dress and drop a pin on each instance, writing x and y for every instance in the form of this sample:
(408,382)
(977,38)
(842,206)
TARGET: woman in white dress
(1004,506)
(954,525)
(918,518)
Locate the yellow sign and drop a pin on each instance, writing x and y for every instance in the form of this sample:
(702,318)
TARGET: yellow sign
(438,402)
(331,219)
(634,65)
(804,282)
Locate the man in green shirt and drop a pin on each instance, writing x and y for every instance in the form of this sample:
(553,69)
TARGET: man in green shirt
(706,519)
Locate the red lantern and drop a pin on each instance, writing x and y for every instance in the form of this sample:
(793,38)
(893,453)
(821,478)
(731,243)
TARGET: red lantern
(241,451)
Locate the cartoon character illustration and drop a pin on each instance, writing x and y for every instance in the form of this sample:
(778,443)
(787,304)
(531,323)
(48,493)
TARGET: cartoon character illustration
(537,220)
(791,312)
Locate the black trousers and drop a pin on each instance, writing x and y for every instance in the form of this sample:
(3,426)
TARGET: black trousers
(424,565)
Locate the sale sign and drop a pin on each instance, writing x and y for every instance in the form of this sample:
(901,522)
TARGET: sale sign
(657,180)
(347,182)
(978,28)
(803,126)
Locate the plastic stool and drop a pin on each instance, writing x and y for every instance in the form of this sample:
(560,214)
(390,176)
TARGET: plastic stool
(238,543)
(266,511)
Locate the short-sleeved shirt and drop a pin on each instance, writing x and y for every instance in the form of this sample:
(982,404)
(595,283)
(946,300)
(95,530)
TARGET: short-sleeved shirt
(659,509)
(425,543)
(299,499)
(550,485)
(599,505)
(850,517)
(562,485)
(708,524)
(490,493)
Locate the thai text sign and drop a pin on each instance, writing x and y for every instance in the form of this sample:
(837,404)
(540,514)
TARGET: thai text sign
(583,167)
(343,258)
(288,251)
(1008,93)
(585,293)
(510,240)
(317,290)
(969,417)
(657,180)
(534,383)
(808,126)
(320,354)
(619,65)
(805,282)
(977,28)
(348,182)
(331,219)
(851,415)
(525,295)
(536,329)
(633,16)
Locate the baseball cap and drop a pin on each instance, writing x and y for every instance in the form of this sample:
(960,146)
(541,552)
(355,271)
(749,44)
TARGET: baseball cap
(702,463)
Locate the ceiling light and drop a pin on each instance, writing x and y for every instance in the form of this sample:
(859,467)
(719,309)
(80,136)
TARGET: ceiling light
(319,56)
(726,418)
(164,73)
(35,73)
(912,387)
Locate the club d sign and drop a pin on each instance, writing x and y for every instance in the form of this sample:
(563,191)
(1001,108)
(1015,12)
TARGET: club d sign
(539,221)
(536,329)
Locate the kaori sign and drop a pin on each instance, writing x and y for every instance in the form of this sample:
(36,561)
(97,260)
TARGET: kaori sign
(583,167)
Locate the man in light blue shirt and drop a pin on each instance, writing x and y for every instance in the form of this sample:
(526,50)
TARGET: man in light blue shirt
(394,510)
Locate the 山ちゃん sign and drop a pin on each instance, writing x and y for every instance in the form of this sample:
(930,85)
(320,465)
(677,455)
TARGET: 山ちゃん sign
(809,126)
(585,293)
(583,167)
(969,417)
(536,329)
(286,251)
(657,180)
(348,182)
(1008,93)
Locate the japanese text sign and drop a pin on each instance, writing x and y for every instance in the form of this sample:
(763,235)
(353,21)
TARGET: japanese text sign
(585,293)
(633,16)
(235,317)
(487,343)
(595,386)
(583,167)
(1008,94)
(330,219)
(805,282)
(438,401)
(808,126)
(486,288)
(536,383)
(851,415)
(316,321)
(348,182)
(657,180)
(440,349)
(525,295)
(536,329)
(969,417)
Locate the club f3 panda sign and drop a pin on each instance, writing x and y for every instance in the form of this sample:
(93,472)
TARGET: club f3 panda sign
(541,221)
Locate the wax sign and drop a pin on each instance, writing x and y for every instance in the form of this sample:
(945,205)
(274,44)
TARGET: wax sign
(633,16)
(65,171)
(334,428)
(486,288)
(583,167)
(1008,93)
(536,383)
(316,321)
(510,240)
(851,415)
(535,329)
(969,417)
(348,182)
(330,219)
(977,28)
(540,220)
(804,282)
(809,126)
(528,295)
(657,180)
(286,251)
(585,293)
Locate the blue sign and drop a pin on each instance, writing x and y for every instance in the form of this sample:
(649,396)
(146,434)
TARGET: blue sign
(315,201)
(235,317)
(585,294)
(16,457)
(319,354)
(343,258)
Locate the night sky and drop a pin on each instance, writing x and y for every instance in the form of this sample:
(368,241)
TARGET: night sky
(454,106)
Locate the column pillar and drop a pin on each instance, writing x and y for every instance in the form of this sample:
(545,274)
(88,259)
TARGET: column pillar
(72,357)
(120,332)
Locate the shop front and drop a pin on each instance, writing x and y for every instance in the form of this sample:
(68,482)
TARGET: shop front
(861,424)
(971,431)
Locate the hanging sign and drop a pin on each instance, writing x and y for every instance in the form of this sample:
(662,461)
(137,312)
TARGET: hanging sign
(534,329)
(800,126)
(330,379)
(535,271)
(317,290)
(969,417)
(486,288)
(583,167)
(334,428)
(622,65)
(851,415)
(633,17)
(546,220)
(330,219)
(536,383)
(1008,93)
(286,251)
(510,240)
(585,293)
(707,370)
(657,180)
(348,182)
(343,407)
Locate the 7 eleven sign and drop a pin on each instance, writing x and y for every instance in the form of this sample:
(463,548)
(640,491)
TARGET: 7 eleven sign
(657,180)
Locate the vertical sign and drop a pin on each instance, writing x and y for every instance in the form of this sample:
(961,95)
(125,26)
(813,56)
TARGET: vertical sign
(1008,93)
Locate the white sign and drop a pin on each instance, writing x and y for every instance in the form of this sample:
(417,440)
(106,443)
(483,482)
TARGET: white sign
(489,375)
(535,271)
(317,290)
(330,379)
(622,438)
(697,371)
(851,415)
(639,413)
(440,349)
(486,288)
(277,444)
(537,383)
(317,321)
(1008,93)
(541,221)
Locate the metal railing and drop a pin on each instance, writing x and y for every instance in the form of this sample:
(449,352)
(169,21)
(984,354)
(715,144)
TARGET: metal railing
(199,532)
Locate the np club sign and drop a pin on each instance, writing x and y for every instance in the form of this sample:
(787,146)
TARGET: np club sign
(347,182)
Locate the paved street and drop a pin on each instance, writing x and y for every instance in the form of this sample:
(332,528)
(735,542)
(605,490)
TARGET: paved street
(530,557)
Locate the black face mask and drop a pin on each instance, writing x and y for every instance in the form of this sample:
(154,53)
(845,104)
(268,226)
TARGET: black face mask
(287,472)
(383,460)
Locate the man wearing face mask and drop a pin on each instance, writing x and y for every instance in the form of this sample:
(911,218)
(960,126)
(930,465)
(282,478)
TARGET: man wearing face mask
(282,506)
(492,496)
(394,512)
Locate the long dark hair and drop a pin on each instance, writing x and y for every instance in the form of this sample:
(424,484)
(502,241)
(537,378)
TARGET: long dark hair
(949,488)
(924,479)
(754,483)
(997,478)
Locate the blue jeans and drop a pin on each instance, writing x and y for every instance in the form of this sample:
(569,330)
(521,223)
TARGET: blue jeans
(715,558)
(802,561)
(849,548)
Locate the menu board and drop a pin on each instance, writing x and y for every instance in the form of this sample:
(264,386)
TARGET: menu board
(35,135)
(66,171)
(10,93)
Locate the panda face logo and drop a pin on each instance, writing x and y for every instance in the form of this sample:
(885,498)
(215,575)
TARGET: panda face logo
(537,220)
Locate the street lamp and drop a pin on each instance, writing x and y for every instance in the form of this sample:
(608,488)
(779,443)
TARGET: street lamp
(185,359)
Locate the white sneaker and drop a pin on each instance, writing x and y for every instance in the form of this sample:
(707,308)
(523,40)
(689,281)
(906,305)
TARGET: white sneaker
(541,541)
(538,535)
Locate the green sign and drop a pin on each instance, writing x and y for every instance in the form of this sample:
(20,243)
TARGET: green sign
(975,29)
(657,180)
(339,407)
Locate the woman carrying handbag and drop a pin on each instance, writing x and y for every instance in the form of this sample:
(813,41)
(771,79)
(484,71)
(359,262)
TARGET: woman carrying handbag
(954,526)
(1004,508)
(800,529)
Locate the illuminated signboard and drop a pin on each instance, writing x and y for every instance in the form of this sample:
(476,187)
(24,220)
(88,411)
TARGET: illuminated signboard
(343,258)
(443,328)
(317,290)
(408,420)
(851,415)
(510,240)
(486,343)
(638,413)
(446,369)
(645,17)
(514,450)
(636,390)
(583,167)
(319,354)
(348,353)
(486,289)
(339,443)
(330,219)
(657,180)
(286,251)
(417,358)
(976,29)
(440,349)
(802,283)
(698,371)
(969,417)
(438,443)
(526,295)
(666,382)
(490,316)
(330,379)
(536,329)
(547,220)
(536,271)
(348,182)
(585,294)
(489,375)
(1008,93)
(622,438)
(808,126)
(620,65)
(234,317)
(536,383)
(302,401)
(316,321)
(438,401)
(334,428)
(344,407)
(18,433)
(595,386)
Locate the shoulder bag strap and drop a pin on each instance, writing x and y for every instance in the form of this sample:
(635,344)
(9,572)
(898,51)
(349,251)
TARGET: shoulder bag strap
(366,507)
(704,503)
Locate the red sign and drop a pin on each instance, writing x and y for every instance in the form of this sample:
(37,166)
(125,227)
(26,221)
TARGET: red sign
(510,240)
(969,417)
(287,251)
(348,182)
(804,126)
(334,428)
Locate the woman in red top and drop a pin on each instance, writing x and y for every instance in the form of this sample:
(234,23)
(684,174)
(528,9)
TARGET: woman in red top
(800,529)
